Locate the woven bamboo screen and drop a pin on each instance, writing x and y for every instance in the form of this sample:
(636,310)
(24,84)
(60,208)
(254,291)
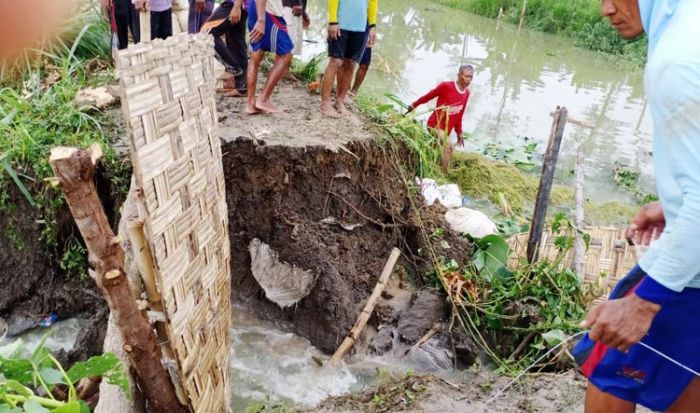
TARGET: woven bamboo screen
(607,259)
(168,102)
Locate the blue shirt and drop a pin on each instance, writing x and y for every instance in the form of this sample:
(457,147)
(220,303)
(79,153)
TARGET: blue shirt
(672,84)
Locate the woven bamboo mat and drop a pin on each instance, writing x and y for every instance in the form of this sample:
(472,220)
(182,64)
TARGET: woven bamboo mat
(168,101)
(607,259)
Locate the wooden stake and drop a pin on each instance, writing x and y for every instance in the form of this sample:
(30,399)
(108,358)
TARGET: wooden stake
(74,169)
(579,245)
(542,202)
(361,322)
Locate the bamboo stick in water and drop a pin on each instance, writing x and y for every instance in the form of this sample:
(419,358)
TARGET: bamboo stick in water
(361,322)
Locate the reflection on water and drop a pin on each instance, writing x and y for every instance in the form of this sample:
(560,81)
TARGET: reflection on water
(521,77)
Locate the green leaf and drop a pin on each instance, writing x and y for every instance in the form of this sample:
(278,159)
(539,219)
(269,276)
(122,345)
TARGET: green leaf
(18,388)
(84,407)
(8,409)
(51,376)
(106,365)
(445,244)
(554,337)
(71,407)
(492,254)
(8,168)
(33,406)
(20,370)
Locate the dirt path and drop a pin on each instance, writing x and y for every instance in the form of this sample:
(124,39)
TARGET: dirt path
(299,124)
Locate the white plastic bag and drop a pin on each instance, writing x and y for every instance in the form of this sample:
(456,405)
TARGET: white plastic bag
(448,195)
(470,221)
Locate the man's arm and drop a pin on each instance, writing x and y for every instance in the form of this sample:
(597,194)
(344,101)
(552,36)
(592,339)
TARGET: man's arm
(333,11)
(236,11)
(372,11)
(426,98)
(259,29)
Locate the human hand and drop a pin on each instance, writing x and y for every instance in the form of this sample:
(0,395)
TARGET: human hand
(333,31)
(306,20)
(297,11)
(140,5)
(647,225)
(236,14)
(372,36)
(258,31)
(621,323)
(199,6)
(460,141)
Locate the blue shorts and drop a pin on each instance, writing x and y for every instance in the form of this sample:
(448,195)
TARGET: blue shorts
(641,376)
(366,57)
(276,38)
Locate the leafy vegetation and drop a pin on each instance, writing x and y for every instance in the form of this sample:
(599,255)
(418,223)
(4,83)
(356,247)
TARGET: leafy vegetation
(32,382)
(577,19)
(515,315)
(38,112)
(308,71)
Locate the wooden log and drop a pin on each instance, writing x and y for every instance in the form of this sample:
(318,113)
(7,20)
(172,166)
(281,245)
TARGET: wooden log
(74,169)
(579,244)
(542,201)
(361,322)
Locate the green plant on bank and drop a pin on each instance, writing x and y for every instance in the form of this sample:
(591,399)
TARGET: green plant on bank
(577,19)
(39,113)
(308,71)
(515,315)
(29,382)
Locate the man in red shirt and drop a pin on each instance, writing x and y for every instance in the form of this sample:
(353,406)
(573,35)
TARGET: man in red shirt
(452,97)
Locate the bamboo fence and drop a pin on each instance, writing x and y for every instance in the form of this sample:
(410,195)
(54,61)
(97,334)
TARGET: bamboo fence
(608,258)
(168,101)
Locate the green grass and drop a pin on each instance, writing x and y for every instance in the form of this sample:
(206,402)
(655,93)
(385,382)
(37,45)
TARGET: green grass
(577,19)
(37,113)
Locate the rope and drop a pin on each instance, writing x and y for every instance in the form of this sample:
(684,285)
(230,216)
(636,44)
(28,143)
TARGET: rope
(500,392)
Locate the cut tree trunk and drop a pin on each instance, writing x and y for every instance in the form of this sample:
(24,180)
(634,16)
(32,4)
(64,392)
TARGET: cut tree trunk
(74,170)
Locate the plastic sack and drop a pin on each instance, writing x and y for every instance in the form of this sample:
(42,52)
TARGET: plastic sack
(470,221)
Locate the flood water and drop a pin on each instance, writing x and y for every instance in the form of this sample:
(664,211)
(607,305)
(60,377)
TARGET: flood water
(521,76)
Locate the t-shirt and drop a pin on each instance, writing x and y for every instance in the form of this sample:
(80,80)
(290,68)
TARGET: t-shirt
(672,86)
(275,7)
(353,15)
(449,109)
(160,5)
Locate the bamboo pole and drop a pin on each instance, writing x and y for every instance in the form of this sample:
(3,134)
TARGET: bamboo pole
(579,245)
(522,14)
(361,322)
(74,170)
(549,165)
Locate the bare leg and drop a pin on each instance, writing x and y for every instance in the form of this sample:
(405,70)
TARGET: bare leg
(279,68)
(344,81)
(253,69)
(599,402)
(327,85)
(446,151)
(359,78)
(689,400)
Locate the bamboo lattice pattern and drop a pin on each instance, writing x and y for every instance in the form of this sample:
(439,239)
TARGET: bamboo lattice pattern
(608,258)
(169,104)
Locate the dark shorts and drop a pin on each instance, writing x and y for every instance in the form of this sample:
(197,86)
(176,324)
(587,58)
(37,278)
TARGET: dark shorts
(349,45)
(276,38)
(640,375)
(366,57)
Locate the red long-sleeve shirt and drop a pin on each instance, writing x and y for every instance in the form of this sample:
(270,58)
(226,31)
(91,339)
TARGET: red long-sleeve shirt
(449,111)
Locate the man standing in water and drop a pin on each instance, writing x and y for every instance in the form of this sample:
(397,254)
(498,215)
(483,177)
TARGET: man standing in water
(452,97)
(268,33)
(347,39)
(657,302)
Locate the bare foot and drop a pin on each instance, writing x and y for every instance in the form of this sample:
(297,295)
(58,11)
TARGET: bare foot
(266,107)
(340,107)
(251,109)
(327,109)
(349,97)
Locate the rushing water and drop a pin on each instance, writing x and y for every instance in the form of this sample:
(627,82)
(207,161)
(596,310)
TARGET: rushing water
(59,336)
(521,76)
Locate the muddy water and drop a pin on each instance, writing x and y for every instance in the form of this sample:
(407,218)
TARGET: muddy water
(521,77)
